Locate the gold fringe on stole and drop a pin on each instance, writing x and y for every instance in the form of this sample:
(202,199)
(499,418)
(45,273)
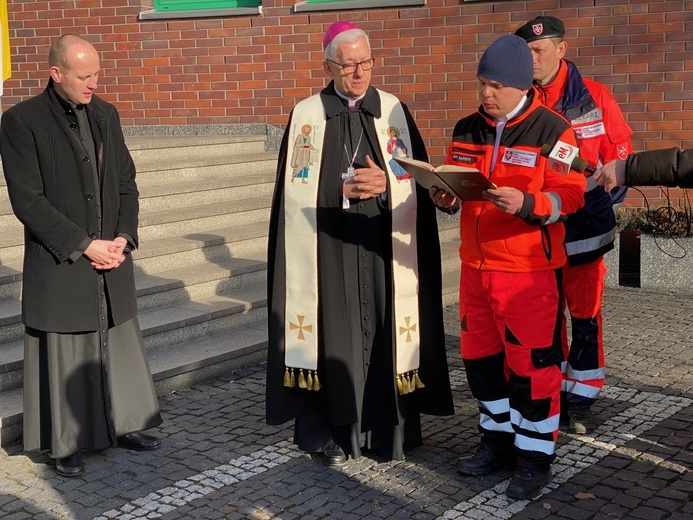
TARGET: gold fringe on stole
(417,381)
(305,382)
(409,382)
(289,379)
(302,380)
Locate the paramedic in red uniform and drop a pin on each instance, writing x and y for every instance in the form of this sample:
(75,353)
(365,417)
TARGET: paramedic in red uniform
(512,247)
(603,135)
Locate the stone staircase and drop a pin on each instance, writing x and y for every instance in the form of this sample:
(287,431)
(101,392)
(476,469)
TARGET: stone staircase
(200,269)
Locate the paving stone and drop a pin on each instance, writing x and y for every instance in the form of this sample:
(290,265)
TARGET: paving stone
(220,460)
(648,513)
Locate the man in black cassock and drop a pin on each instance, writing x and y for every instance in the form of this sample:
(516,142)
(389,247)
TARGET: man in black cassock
(71,182)
(359,404)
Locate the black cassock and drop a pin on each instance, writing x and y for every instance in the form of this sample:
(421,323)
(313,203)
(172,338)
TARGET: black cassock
(359,405)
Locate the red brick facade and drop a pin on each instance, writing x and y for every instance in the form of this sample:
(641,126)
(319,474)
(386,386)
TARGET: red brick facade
(253,69)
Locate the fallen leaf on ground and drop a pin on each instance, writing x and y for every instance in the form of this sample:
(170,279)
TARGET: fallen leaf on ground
(584,496)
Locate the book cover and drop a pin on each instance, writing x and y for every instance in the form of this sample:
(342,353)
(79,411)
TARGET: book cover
(465,183)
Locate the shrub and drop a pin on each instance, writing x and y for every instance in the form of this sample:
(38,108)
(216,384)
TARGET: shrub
(659,220)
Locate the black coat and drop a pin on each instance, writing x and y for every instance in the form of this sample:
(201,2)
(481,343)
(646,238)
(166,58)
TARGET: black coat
(335,343)
(51,187)
(668,167)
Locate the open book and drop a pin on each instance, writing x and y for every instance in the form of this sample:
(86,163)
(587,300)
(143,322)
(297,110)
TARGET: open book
(464,183)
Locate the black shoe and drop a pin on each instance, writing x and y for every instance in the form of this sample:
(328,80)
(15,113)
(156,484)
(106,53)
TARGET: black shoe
(334,455)
(486,460)
(138,441)
(527,484)
(581,419)
(70,466)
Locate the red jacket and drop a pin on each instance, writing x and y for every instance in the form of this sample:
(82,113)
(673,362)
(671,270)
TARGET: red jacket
(603,135)
(602,132)
(533,239)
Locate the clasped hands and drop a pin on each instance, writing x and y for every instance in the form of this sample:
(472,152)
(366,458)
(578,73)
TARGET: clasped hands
(106,254)
(366,183)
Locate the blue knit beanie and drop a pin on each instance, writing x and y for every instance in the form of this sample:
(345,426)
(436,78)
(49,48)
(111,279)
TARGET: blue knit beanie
(508,60)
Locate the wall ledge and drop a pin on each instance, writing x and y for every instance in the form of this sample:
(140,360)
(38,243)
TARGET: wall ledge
(200,13)
(343,5)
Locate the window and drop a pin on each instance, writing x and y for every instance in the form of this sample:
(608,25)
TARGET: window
(194,5)
(181,9)
(340,5)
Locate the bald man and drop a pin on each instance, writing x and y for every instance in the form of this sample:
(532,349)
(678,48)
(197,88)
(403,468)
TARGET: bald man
(71,182)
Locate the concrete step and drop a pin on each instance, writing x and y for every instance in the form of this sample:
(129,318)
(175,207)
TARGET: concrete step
(178,163)
(154,148)
(195,282)
(194,319)
(449,256)
(198,219)
(10,281)
(186,193)
(206,190)
(7,218)
(162,327)
(10,416)
(451,287)
(179,366)
(242,241)
(449,230)
(176,221)
(234,241)
(163,170)
(222,276)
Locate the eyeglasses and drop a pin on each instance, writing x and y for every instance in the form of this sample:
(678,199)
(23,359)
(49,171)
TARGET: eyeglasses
(350,68)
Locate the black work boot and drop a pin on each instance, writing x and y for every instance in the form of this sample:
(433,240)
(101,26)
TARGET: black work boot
(527,484)
(581,419)
(487,459)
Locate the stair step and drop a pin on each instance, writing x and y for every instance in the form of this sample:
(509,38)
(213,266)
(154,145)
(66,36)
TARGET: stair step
(449,230)
(206,190)
(199,281)
(188,363)
(239,241)
(184,147)
(10,416)
(194,319)
(193,192)
(10,281)
(162,171)
(451,287)
(197,219)
(165,326)
(177,367)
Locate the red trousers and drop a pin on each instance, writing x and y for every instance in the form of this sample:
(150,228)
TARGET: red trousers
(509,324)
(583,368)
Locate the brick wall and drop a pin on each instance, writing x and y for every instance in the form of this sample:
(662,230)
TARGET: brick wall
(253,69)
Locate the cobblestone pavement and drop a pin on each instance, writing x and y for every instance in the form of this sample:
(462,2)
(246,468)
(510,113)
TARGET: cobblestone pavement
(220,460)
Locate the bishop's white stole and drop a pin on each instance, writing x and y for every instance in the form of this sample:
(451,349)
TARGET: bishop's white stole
(303,168)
